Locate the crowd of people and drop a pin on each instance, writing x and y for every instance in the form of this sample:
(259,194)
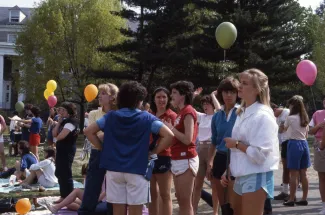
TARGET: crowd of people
(140,149)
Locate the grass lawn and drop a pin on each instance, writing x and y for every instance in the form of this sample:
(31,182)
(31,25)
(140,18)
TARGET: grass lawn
(76,169)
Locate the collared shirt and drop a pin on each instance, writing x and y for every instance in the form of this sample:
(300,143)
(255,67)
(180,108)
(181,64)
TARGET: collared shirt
(255,127)
(204,121)
(318,117)
(221,127)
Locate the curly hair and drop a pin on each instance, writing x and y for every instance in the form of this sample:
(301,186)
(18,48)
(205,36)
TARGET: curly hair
(186,89)
(71,108)
(130,95)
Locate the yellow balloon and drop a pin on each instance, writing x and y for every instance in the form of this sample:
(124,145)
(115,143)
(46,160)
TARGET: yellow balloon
(47,94)
(91,92)
(51,85)
(23,206)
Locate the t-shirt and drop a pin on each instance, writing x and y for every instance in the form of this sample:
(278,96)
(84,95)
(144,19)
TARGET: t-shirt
(168,115)
(93,116)
(295,131)
(127,134)
(318,117)
(204,121)
(281,119)
(26,161)
(36,125)
(69,126)
(221,127)
(179,150)
(13,123)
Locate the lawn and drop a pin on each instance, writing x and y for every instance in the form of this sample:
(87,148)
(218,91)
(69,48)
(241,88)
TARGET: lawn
(76,169)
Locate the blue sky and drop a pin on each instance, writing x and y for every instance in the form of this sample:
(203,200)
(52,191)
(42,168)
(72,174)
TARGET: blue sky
(30,3)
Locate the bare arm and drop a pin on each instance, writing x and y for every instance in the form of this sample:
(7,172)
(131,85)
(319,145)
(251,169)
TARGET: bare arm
(215,101)
(91,134)
(186,137)
(165,141)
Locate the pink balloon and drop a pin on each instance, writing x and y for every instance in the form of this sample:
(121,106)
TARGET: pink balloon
(52,100)
(307,72)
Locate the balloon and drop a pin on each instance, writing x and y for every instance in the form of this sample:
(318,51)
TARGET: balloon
(307,72)
(19,106)
(52,100)
(51,85)
(226,34)
(90,92)
(47,94)
(23,206)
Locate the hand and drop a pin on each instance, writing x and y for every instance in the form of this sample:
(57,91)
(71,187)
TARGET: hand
(198,91)
(230,142)
(209,172)
(321,125)
(214,93)
(60,118)
(168,123)
(224,181)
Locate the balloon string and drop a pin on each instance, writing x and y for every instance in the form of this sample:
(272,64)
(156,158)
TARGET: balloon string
(312,94)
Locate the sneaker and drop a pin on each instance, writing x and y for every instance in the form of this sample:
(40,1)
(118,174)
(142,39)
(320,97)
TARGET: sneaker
(281,196)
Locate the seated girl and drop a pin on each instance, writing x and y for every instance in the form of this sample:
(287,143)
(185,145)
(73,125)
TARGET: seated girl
(73,200)
(27,159)
(43,171)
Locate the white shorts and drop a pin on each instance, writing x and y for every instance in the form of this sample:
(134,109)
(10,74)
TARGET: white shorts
(180,166)
(126,188)
(44,182)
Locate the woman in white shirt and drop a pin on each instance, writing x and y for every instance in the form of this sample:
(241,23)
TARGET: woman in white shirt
(43,171)
(254,145)
(298,159)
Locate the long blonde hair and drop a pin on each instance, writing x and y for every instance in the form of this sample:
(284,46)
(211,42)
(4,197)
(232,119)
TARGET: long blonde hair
(112,90)
(261,83)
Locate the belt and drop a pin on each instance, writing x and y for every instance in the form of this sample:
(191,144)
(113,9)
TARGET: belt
(204,142)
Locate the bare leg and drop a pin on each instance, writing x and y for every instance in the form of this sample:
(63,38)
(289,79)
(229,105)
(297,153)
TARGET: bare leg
(119,209)
(135,209)
(304,183)
(236,204)
(286,173)
(165,183)
(76,193)
(184,188)
(199,180)
(293,184)
(258,197)
(30,178)
(73,206)
(154,191)
(2,155)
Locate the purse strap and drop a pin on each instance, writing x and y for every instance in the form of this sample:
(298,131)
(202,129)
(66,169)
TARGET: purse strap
(225,197)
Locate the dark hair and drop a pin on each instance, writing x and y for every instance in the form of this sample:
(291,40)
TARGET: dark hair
(274,106)
(153,105)
(84,169)
(185,88)
(50,153)
(206,99)
(228,84)
(298,107)
(36,111)
(15,112)
(130,94)
(28,106)
(71,108)
(24,147)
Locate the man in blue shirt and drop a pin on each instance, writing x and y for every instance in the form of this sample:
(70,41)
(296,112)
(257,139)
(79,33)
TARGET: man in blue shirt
(125,149)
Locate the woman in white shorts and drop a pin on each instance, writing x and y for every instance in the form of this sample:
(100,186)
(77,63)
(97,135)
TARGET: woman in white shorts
(254,145)
(185,161)
(43,171)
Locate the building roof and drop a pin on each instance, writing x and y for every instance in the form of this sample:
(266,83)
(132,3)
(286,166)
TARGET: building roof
(4,14)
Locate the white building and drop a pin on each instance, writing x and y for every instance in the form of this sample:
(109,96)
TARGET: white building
(11,22)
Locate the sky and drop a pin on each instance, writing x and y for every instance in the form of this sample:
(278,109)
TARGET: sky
(30,3)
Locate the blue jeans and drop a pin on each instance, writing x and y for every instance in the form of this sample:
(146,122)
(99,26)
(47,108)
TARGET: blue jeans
(94,181)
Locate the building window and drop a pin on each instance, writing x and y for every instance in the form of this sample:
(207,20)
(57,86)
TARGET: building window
(8,87)
(7,97)
(14,16)
(12,38)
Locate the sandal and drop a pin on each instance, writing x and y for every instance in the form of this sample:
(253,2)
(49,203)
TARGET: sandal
(302,203)
(289,203)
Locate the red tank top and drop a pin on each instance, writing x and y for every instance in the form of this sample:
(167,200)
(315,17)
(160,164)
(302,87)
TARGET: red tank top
(168,115)
(179,150)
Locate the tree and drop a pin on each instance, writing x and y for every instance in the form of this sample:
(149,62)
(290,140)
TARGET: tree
(60,42)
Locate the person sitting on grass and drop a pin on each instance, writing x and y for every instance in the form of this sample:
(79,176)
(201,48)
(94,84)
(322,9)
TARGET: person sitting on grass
(43,171)
(74,199)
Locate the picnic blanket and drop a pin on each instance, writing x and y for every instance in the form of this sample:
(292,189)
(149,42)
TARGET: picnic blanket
(4,181)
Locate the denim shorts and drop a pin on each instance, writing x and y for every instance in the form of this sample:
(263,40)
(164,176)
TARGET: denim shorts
(254,182)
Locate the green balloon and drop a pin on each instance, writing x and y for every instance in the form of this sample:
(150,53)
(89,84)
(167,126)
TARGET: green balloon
(226,34)
(19,106)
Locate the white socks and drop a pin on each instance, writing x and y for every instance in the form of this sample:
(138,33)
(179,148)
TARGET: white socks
(285,188)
